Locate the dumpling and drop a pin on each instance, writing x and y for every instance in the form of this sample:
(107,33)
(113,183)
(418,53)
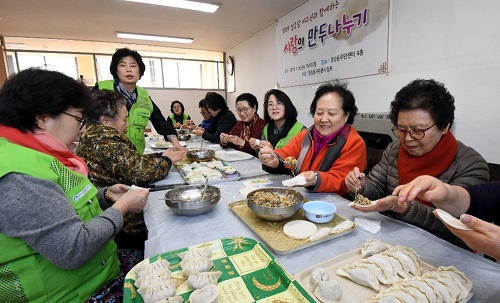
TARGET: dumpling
(321,233)
(158,291)
(379,274)
(204,252)
(199,264)
(149,268)
(408,258)
(361,275)
(207,294)
(328,291)
(439,289)
(383,263)
(398,267)
(176,299)
(317,275)
(156,277)
(200,279)
(424,288)
(387,298)
(457,275)
(372,247)
(345,225)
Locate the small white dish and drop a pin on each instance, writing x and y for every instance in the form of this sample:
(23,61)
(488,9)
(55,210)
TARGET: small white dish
(319,211)
(450,220)
(230,170)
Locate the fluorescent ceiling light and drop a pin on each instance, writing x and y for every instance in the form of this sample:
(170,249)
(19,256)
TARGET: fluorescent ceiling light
(186,4)
(154,38)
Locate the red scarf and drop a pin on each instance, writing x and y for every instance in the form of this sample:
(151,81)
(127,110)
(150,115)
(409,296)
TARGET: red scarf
(433,163)
(28,140)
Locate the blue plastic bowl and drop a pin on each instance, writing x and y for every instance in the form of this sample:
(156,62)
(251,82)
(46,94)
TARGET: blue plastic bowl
(319,211)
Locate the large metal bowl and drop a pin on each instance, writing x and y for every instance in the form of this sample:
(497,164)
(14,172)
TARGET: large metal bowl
(187,200)
(201,155)
(275,213)
(183,137)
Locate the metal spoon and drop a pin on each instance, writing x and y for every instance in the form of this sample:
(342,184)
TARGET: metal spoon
(292,169)
(201,145)
(204,190)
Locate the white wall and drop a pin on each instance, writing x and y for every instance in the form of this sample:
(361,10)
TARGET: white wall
(456,42)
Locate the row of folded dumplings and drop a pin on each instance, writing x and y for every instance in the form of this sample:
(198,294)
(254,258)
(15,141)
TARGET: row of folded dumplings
(155,283)
(199,172)
(401,270)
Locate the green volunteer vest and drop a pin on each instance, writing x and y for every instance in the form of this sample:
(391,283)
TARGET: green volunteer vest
(184,118)
(297,127)
(25,275)
(138,115)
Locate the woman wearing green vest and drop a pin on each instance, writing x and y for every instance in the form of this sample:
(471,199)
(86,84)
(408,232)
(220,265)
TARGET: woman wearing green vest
(127,68)
(179,118)
(281,117)
(55,238)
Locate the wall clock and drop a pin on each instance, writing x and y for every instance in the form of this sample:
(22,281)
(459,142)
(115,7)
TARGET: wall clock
(230,65)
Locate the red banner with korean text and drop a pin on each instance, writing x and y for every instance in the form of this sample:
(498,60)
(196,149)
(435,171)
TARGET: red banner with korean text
(323,40)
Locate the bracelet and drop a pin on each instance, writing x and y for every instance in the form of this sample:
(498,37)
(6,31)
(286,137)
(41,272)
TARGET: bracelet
(315,178)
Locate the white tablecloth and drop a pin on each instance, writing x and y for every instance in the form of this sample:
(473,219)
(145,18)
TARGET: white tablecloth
(247,168)
(168,231)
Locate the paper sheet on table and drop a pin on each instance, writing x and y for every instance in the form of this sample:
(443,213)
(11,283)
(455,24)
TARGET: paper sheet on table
(371,226)
(259,182)
(246,190)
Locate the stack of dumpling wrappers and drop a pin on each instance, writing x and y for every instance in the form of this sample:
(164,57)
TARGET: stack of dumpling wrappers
(154,282)
(400,269)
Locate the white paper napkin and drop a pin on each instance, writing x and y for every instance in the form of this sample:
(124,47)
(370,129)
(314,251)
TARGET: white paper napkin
(371,226)
(297,180)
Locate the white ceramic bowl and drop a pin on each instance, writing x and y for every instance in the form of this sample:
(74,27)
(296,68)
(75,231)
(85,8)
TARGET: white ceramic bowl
(319,211)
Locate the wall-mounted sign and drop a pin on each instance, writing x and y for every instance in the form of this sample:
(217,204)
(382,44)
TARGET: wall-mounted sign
(324,40)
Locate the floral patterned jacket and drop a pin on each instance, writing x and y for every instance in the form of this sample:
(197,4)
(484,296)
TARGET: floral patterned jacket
(112,158)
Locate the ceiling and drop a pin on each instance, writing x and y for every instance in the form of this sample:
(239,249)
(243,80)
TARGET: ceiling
(98,20)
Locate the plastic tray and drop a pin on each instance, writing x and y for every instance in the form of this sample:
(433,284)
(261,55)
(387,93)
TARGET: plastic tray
(272,234)
(249,274)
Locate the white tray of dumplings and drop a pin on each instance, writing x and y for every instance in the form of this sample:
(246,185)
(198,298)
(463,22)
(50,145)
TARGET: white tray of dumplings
(379,272)
(215,171)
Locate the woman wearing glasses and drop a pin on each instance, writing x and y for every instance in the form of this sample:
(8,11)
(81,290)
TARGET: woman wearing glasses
(53,221)
(328,150)
(250,125)
(281,117)
(422,113)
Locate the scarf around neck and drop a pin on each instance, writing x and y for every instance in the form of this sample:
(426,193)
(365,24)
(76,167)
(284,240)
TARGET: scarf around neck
(247,127)
(47,144)
(131,97)
(320,141)
(434,163)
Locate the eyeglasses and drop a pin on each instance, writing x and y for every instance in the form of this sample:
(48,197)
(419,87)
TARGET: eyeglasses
(242,110)
(80,120)
(277,104)
(417,134)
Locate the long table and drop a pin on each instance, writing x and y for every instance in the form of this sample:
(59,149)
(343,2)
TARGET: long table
(168,231)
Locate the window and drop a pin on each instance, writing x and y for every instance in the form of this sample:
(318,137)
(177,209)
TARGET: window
(159,72)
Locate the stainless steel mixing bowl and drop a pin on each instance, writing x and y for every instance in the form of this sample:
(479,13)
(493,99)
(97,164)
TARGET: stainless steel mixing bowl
(201,155)
(188,200)
(275,213)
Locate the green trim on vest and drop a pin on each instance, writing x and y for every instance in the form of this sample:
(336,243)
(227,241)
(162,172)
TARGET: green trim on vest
(184,118)
(297,128)
(138,115)
(35,278)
